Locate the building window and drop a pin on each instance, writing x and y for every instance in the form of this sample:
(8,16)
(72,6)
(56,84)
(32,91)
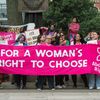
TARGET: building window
(3,11)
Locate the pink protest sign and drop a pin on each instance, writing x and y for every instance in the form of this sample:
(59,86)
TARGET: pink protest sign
(7,38)
(50,60)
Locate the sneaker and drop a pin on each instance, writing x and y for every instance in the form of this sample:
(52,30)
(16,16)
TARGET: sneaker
(39,89)
(53,89)
(98,88)
(59,87)
(63,86)
(90,88)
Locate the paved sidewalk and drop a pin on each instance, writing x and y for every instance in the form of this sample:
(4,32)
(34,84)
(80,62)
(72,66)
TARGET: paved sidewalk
(9,92)
(69,94)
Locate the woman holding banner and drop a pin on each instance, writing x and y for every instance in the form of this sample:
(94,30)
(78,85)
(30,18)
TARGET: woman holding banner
(79,40)
(1,79)
(94,79)
(20,80)
(59,79)
(50,79)
(40,79)
(2,41)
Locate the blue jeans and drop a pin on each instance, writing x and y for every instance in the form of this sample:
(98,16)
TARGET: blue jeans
(94,80)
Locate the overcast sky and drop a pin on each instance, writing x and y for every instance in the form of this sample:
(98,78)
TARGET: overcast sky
(2,1)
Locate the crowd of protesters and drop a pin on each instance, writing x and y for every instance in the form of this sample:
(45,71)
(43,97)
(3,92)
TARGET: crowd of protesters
(59,38)
(52,37)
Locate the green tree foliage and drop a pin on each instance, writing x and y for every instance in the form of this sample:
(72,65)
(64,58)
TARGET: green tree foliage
(92,25)
(62,11)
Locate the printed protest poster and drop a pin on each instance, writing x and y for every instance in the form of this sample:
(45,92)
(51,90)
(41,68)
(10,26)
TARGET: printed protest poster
(13,29)
(30,26)
(17,29)
(4,42)
(7,38)
(31,36)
